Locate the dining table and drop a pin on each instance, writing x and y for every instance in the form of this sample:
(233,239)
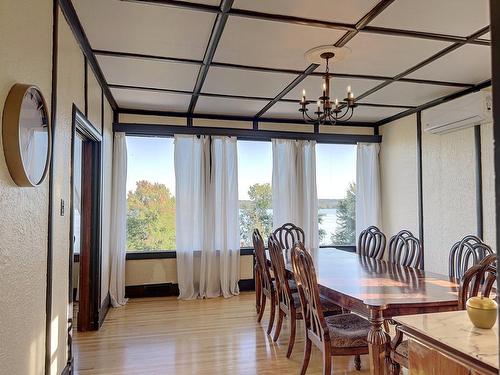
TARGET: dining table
(378,290)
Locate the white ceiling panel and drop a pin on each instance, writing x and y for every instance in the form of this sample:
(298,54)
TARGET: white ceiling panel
(386,55)
(245,82)
(468,64)
(284,110)
(148,73)
(151,100)
(326,10)
(486,36)
(145,28)
(206,2)
(338,87)
(226,106)
(454,17)
(406,93)
(270,44)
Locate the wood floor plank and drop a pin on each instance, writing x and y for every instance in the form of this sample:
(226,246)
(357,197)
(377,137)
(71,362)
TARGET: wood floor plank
(218,336)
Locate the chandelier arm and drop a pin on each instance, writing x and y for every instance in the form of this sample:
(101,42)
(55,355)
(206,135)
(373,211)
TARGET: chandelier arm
(307,119)
(344,114)
(352,113)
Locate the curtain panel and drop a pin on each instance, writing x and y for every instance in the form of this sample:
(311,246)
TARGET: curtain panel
(295,197)
(207,225)
(368,204)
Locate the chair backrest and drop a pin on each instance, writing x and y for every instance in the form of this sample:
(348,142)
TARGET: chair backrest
(278,264)
(288,235)
(307,285)
(466,253)
(478,280)
(260,255)
(405,249)
(371,242)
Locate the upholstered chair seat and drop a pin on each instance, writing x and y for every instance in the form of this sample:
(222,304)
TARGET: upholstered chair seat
(347,330)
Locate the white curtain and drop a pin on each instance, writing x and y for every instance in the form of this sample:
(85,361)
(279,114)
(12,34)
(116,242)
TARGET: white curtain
(207,225)
(368,205)
(118,232)
(295,197)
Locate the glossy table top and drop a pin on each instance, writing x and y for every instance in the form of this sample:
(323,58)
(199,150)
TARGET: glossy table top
(454,330)
(378,283)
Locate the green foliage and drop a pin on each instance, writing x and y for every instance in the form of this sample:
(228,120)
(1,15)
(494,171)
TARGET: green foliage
(150,218)
(346,218)
(256,213)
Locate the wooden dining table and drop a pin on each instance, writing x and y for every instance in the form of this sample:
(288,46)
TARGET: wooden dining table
(378,290)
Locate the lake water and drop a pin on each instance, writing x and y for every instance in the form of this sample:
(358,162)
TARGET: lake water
(329,223)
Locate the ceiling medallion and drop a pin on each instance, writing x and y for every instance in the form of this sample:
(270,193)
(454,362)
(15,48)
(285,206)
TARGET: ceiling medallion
(328,112)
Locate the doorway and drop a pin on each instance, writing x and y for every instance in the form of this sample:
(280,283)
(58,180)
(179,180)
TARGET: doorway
(85,251)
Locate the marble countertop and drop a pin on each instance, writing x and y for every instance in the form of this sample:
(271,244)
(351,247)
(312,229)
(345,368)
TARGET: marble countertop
(455,330)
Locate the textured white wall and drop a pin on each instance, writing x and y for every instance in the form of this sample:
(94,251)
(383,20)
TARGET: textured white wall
(489,221)
(398,168)
(25,56)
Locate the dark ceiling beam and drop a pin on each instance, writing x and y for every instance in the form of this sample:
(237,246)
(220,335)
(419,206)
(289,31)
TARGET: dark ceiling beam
(436,102)
(230,96)
(287,89)
(211,116)
(217,30)
(427,61)
(74,23)
(363,22)
(272,70)
(315,23)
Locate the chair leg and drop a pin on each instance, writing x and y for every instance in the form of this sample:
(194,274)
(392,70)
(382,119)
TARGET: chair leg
(293,327)
(357,362)
(277,330)
(307,356)
(273,312)
(394,368)
(258,291)
(327,359)
(262,307)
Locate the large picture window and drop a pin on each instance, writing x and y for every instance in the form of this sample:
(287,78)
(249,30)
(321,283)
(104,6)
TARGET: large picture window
(336,184)
(255,172)
(150,194)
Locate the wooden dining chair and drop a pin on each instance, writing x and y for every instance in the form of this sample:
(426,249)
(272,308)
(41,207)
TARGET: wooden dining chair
(477,280)
(405,249)
(336,335)
(266,286)
(371,242)
(466,253)
(288,300)
(288,235)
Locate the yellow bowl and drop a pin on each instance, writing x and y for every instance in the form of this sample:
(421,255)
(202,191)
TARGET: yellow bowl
(482,312)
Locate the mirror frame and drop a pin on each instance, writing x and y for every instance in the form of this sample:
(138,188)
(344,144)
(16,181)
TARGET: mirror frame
(11,138)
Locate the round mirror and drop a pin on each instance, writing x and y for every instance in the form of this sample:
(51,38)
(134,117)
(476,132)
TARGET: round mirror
(26,135)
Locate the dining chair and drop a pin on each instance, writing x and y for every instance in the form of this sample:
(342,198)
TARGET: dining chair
(336,335)
(405,249)
(289,301)
(266,286)
(371,242)
(477,280)
(288,235)
(466,253)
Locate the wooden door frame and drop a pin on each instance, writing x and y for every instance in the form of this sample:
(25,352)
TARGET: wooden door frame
(92,155)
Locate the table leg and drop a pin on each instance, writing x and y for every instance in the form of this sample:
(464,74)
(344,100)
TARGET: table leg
(377,342)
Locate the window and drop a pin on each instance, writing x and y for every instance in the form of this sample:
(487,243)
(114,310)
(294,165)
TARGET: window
(150,194)
(255,172)
(336,180)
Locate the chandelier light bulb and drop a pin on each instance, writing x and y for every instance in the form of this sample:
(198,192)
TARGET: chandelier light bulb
(304,93)
(336,102)
(319,104)
(348,89)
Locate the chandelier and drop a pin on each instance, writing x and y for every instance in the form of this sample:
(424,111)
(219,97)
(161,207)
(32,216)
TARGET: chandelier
(328,112)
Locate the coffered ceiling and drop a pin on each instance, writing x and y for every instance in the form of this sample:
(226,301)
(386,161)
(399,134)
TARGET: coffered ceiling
(235,57)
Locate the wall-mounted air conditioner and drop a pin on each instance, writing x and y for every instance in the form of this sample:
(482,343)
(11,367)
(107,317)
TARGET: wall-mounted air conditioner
(461,113)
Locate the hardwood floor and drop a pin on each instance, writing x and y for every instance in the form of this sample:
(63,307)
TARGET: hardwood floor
(167,336)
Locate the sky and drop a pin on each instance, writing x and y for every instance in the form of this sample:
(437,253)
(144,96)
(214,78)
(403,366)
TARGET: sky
(152,159)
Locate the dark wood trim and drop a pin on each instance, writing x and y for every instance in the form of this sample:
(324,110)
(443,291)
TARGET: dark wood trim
(248,134)
(217,30)
(436,102)
(51,194)
(287,89)
(102,111)
(103,310)
(85,87)
(479,181)
(420,191)
(169,254)
(313,22)
(231,117)
(80,36)
(67,370)
(272,70)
